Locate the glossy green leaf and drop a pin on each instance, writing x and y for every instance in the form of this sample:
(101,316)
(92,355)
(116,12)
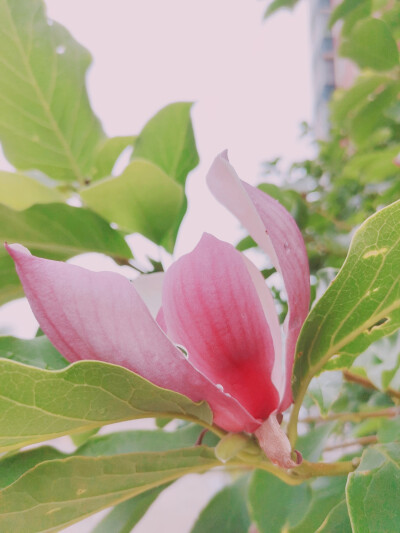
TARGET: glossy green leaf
(57,493)
(124,517)
(20,191)
(168,141)
(37,405)
(326,493)
(226,512)
(275,506)
(37,352)
(60,231)
(371,45)
(337,521)
(142,199)
(46,120)
(361,305)
(373,490)
(276,5)
(108,153)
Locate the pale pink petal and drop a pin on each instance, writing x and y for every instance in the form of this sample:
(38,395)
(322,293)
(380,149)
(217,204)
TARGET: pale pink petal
(149,288)
(99,315)
(211,307)
(275,443)
(276,232)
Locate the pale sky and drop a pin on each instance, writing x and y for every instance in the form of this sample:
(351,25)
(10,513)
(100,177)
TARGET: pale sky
(251,84)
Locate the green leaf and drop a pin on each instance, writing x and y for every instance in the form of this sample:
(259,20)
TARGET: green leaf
(275,506)
(37,405)
(325,389)
(55,231)
(337,521)
(60,231)
(371,45)
(373,490)
(20,191)
(371,117)
(389,431)
(361,305)
(142,199)
(373,166)
(10,286)
(124,517)
(327,492)
(108,153)
(14,466)
(144,441)
(46,120)
(168,141)
(312,443)
(37,352)
(344,8)
(346,103)
(79,439)
(276,5)
(226,512)
(57,493)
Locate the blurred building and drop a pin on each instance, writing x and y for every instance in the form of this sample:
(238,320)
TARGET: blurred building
(329,71)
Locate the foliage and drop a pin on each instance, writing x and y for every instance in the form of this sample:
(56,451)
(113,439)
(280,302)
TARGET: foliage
(64,199)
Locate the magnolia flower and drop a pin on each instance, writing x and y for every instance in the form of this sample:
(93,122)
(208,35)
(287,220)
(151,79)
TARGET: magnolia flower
(215,304)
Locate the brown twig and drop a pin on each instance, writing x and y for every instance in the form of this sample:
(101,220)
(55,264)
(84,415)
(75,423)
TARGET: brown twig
(362,441)
(365,382)
(389,412)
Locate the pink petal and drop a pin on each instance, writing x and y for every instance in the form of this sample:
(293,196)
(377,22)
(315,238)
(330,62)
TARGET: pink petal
(149,288)
(276,232)
(99,315)
(269,308)
(275,443)
(211,307)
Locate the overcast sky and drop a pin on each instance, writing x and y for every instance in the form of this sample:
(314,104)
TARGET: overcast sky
(250,80)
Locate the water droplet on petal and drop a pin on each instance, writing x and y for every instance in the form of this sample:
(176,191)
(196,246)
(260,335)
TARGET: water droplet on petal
(220,387)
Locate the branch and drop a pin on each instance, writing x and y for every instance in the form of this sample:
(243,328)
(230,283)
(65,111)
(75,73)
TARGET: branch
(389,412)
(362,441)
(365,382)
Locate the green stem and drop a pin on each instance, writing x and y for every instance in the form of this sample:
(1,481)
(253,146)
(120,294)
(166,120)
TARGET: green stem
(308,470)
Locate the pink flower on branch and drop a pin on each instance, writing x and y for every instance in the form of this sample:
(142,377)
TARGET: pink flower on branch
(215,304)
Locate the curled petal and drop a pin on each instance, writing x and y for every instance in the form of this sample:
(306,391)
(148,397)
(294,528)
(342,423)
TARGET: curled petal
(276,232)
(275,443)
(211,307)
(99,315)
